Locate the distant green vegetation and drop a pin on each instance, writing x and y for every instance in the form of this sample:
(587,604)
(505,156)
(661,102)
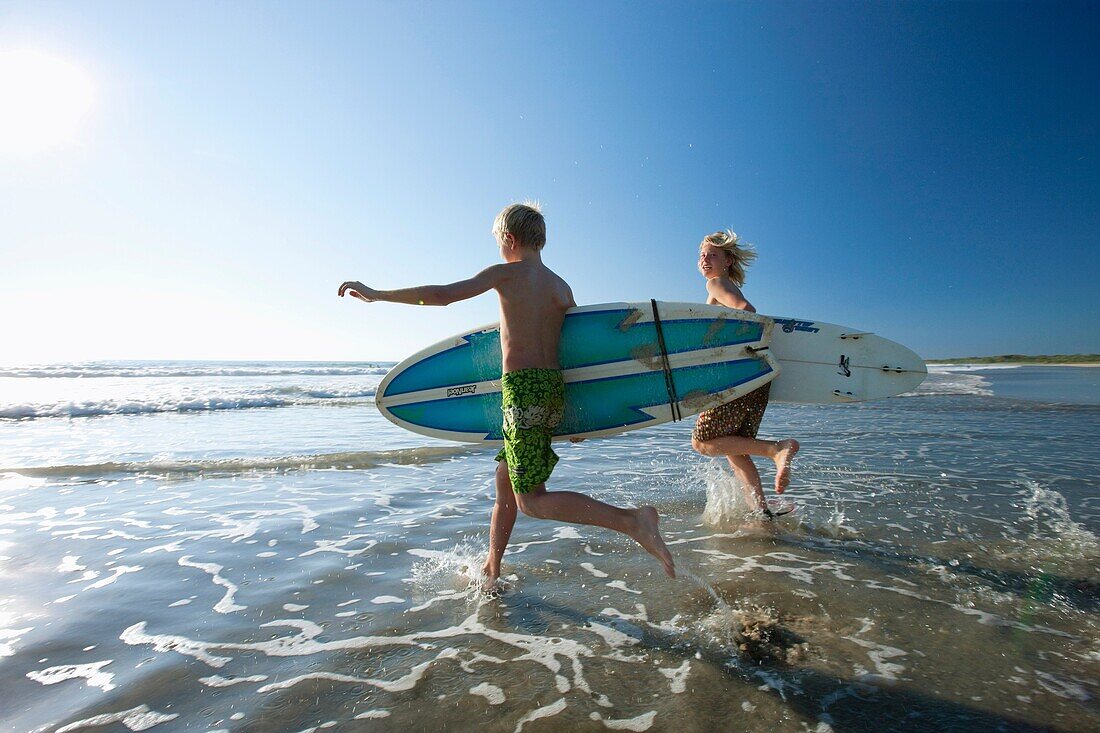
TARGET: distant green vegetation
(1023,359)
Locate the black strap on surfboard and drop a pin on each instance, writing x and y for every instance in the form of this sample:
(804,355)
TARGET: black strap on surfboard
(670,385)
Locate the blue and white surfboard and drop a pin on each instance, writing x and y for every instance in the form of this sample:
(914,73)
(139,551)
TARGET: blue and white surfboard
(618,374)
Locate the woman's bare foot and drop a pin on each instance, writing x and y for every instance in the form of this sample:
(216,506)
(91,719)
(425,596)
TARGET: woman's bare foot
(783,458)
(493,588)
(649,537)
(489,574)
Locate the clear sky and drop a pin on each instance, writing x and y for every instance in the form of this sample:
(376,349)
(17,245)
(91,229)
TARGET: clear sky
(927,171)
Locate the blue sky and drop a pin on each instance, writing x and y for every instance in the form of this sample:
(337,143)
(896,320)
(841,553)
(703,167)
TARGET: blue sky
(927,171)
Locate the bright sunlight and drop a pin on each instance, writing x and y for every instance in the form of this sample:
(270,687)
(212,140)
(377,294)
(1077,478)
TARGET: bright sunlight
(45,98)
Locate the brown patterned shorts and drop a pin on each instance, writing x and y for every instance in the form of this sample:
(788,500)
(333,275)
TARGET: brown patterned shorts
(741,417)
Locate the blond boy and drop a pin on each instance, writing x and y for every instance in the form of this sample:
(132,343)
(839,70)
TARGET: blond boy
(533,302)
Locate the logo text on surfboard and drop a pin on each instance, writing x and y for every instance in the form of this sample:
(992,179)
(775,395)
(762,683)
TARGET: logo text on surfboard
(790,325)
(464,389)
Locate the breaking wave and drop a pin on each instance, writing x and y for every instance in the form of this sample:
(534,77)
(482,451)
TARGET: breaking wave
(193,369)
(353,460)
(259,397)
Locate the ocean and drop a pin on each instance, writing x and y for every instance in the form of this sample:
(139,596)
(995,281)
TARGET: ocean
(252,547)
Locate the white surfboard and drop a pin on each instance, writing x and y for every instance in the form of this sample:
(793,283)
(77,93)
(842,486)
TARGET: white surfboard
(826,363)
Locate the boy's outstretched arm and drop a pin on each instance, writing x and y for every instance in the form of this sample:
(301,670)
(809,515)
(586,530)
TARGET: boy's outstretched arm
(427,294)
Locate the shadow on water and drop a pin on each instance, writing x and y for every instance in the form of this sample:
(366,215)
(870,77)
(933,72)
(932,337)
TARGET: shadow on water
(847,705)
(1040,586)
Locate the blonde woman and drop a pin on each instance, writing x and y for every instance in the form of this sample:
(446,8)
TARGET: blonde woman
(729,430)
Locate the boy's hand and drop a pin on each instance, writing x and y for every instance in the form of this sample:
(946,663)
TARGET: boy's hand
(358,290)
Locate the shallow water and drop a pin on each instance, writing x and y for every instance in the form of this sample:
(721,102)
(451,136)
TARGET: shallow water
(309,566)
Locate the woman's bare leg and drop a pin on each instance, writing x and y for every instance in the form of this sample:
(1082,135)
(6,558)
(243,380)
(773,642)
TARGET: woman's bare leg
(746,472)
(782,453)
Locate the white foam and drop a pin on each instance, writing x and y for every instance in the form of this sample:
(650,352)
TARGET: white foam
(677,676)
(381,600)
(339,546)
(136,719)
(592,569)
(879,655)
(638,723)
(539,649)
(625,636)
(373,714)
(89,672)
(116,574)
(492,693)
(803,570)
(401,684)
(953,381)
(620,585)
(219,681)
(226,604)
(69,564)
(545,711)
(950,368)
(86,370)
(135,635)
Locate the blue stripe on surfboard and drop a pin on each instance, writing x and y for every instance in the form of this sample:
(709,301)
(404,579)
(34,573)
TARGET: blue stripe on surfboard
(588,339)
(476,359)
(588,404)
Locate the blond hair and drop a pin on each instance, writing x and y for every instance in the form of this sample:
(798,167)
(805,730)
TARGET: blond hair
(524,222)
(740,255)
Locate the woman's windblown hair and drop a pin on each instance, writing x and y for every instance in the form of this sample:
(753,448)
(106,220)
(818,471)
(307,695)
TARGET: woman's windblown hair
(741,254)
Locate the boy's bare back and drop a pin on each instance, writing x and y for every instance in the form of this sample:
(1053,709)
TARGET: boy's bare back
(533,302)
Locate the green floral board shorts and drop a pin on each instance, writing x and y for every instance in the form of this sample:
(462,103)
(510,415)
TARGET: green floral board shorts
(533,401)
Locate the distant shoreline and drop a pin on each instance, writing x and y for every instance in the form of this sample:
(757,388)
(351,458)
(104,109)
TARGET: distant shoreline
(1076,360)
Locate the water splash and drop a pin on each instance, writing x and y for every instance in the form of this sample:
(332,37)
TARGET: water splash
(453,572)
(726,503)
(1051,521)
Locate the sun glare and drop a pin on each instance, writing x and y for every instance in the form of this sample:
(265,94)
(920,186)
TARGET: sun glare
(44,99)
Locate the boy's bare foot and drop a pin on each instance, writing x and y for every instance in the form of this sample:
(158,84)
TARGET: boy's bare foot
(649,537)
(490,574)
(787,451)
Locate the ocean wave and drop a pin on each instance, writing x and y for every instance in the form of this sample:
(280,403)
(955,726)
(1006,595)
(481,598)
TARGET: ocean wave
(945,368)
(353,460)
(187,369)
(951,382)
(275,397)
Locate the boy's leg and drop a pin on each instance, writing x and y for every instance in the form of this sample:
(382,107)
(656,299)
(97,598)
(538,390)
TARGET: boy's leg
(781,452)
(569,506)
(504,518)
